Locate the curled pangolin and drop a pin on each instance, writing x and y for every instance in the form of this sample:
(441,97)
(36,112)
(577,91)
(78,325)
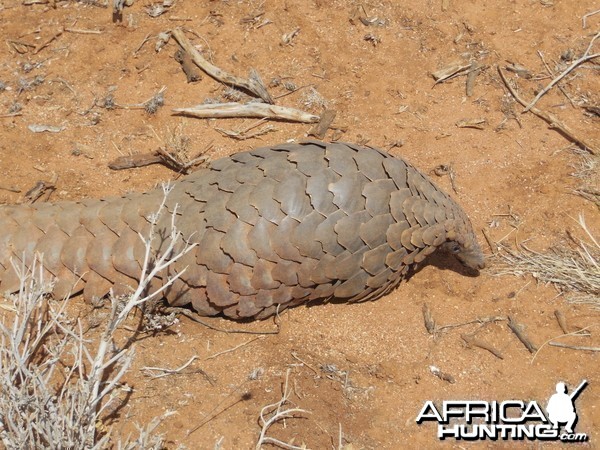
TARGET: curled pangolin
(275,227)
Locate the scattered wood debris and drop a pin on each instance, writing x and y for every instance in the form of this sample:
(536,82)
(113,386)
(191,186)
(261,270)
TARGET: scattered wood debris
(244,134)
(562,322)
(519,69)
(253,84)
(151,105)
(450,71)
(494,247)
(471,76)
(47,42)
(158,9)
(40,189)
(584,18)
(136,160)
(593,110)
(160,156)
(586,57)
(442,375)
(478,124)
(473,341)
(159,372)
(39,128)
(320,129)
(191,71)
(428,319)
(256,19)
(550,119)
(518,330)
(360,14)
(288,38)
(20,47)
(9,115)
(575,347)
(83,31)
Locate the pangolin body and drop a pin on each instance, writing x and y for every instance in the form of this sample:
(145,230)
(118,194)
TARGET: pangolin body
(274,227)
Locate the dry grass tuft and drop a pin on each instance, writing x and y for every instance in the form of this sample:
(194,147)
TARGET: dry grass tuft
(587,170)
(573,271)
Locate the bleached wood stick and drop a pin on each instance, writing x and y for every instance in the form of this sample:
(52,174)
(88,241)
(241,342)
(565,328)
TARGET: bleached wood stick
(260,110)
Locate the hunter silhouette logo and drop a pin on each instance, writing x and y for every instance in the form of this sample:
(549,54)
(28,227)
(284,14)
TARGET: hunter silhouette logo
(507,420)
(561,406)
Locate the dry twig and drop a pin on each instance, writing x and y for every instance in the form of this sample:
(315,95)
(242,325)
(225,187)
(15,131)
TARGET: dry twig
(244,133)
(450,71)
(253,84)
(277,413)
(551,119)
(258,110)
(442,375)
(82,31)
(586,57)
(428,319)
(575,347)
(166,372)
(46,43)
(517,329)
(584,18)
(490,242)
(472,341)
(320,129)
(562,322)
(479,320)
(191,71)
(580,332)
(233,349)
(136,160)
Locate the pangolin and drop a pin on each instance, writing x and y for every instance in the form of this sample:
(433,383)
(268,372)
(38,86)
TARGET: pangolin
(275,227)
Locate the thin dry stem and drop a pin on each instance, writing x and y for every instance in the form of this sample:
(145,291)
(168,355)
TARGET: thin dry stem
(586,57)
(277,413)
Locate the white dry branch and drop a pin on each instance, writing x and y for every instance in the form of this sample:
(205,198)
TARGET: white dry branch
(277,413)
(253,109)
(54,388)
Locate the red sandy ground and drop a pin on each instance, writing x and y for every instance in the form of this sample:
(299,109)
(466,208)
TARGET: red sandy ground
(382,91)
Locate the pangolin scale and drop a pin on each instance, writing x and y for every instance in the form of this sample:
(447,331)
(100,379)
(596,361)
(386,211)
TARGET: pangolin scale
(274,227)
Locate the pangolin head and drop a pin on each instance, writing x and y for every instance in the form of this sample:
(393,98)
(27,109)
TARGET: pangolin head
(469,255)
(462,241)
